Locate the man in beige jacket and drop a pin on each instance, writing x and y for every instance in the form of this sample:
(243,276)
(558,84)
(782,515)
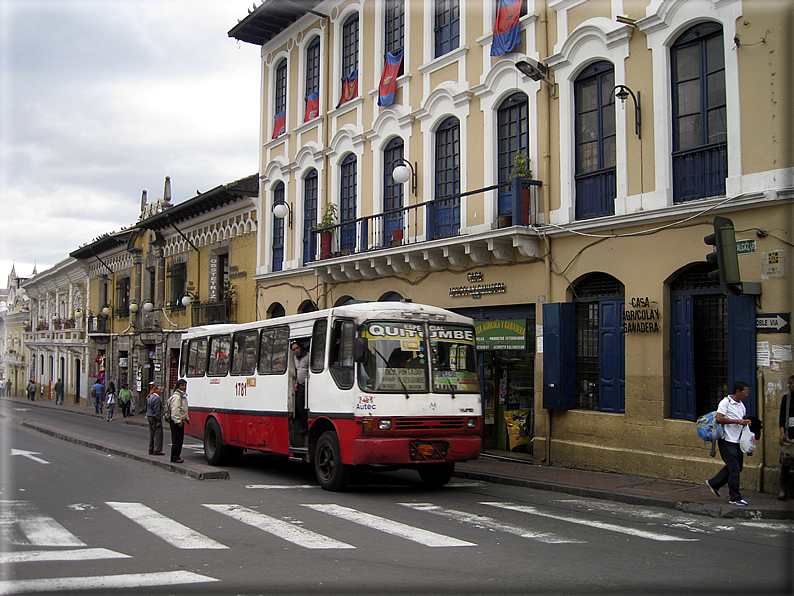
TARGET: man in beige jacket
(177,415)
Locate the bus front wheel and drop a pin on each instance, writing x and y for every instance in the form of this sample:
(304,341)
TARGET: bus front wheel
(332,474)
(436,474)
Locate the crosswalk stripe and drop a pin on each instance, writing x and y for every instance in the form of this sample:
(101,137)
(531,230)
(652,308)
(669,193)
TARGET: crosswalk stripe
(82,554)
(592,523)
(281,529)
(103,582)
(163,527)
(390,527)
(488,523)
(39,529)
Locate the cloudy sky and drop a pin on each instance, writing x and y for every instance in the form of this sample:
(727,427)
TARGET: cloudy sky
(101,99)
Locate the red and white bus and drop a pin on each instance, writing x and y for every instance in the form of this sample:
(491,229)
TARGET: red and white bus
(389,384)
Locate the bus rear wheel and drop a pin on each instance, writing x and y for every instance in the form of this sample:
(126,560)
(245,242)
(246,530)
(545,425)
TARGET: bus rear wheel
(331,473)
(436,474)
(215,451)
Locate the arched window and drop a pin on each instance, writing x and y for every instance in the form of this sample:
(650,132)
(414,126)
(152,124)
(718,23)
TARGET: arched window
(278,230)
(700,128)
(280,100)
(391,297)
(596,181)
(447,170)
(312,79)
(350,45)
(392,191)
(309,217)
(347,215)
(513,130)
(276,310)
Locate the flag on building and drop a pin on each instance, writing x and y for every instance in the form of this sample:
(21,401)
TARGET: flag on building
(388,80)
(312,106)
(349,87)
(506,32)
(280,124)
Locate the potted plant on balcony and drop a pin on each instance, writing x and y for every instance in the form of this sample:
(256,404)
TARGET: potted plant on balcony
(326,221)
(521,169)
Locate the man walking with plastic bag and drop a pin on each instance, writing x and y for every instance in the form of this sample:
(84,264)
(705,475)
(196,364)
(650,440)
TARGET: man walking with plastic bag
(730,413)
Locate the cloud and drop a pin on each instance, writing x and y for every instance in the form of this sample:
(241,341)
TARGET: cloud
(101,99)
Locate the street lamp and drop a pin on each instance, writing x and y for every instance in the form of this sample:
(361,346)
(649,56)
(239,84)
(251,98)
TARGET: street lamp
(403,172)
(282,210)
(106,310)
(134,307)
(148,306)
(622,93)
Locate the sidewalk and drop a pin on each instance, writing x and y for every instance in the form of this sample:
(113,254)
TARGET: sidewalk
(668,494)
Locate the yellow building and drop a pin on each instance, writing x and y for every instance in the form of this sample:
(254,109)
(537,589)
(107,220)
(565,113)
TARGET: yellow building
(599,324)
(180,266)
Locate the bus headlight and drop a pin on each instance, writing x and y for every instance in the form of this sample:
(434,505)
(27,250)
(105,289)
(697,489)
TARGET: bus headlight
(471,423)
(384,424)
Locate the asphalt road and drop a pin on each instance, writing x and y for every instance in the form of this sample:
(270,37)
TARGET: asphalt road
(75,520)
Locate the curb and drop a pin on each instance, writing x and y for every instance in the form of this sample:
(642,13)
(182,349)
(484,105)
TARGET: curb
(196,471)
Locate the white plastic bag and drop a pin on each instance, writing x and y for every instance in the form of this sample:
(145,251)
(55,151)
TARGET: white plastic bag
(747,440)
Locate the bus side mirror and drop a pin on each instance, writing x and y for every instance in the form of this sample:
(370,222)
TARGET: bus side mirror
(361,350)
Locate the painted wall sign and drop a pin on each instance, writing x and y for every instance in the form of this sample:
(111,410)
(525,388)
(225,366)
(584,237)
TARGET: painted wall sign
(501,334)
(641,317)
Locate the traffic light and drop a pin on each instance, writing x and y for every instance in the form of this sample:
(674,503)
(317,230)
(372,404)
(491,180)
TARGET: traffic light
(724,256)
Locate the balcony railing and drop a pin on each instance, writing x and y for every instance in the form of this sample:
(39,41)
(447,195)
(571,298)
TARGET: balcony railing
(98,324)
(431,220)
(212,313)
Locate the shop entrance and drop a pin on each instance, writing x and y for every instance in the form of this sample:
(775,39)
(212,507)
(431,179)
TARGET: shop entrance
(509,400)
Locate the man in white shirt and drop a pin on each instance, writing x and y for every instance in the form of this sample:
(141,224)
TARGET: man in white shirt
(301,357)
(730,413)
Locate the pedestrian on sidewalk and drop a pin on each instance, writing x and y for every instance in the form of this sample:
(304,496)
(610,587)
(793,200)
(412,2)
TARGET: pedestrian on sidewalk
(730,413)
(8,388)
(98,391)
(31,390)
(58,392)
(154,414)
(786,434)
(125,395)
(177,416)
(110,400)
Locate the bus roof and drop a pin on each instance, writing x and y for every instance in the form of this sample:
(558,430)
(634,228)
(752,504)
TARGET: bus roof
(358,311)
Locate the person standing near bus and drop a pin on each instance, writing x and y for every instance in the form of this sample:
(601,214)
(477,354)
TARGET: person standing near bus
(177,416)
(301,357)
(154,414)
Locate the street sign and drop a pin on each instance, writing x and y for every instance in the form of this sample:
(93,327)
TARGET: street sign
(773,322)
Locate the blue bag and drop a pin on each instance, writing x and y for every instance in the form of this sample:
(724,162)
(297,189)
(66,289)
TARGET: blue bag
(709,430)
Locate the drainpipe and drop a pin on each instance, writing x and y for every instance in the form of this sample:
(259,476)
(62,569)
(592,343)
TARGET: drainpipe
(322,298)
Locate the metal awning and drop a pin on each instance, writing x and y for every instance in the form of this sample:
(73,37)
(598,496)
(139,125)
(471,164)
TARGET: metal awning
(271,18)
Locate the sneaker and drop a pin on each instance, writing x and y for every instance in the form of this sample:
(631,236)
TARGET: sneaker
(740,502)
(712,489)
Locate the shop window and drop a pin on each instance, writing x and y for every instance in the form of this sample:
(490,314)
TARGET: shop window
(712,343)
(700,127)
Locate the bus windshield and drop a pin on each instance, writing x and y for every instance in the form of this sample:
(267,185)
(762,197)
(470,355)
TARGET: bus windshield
(397,359)
(454,359)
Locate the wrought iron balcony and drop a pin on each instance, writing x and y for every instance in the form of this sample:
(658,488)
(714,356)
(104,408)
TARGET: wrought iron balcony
(426,235)
(212,313)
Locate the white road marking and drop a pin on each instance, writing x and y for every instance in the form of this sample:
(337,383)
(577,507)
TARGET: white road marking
(82,554)
(163,527)
(487,523)
(39,529)
(30,455)
(592,523)
(278,486)
(281,529)
(390,527)
(103,582)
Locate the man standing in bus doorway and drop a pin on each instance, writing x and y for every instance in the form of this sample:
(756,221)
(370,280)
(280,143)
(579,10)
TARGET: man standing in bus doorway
(177,415)
(154,414)
(301,357)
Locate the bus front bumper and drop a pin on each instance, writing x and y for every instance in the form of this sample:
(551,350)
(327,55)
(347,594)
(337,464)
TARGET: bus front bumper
(408,450)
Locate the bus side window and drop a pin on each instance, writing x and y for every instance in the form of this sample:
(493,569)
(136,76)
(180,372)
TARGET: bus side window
(280,350)
(219,355)
(343,338)
(317,360)
(183,359)
(244,355)
(265,352)
(197,357)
